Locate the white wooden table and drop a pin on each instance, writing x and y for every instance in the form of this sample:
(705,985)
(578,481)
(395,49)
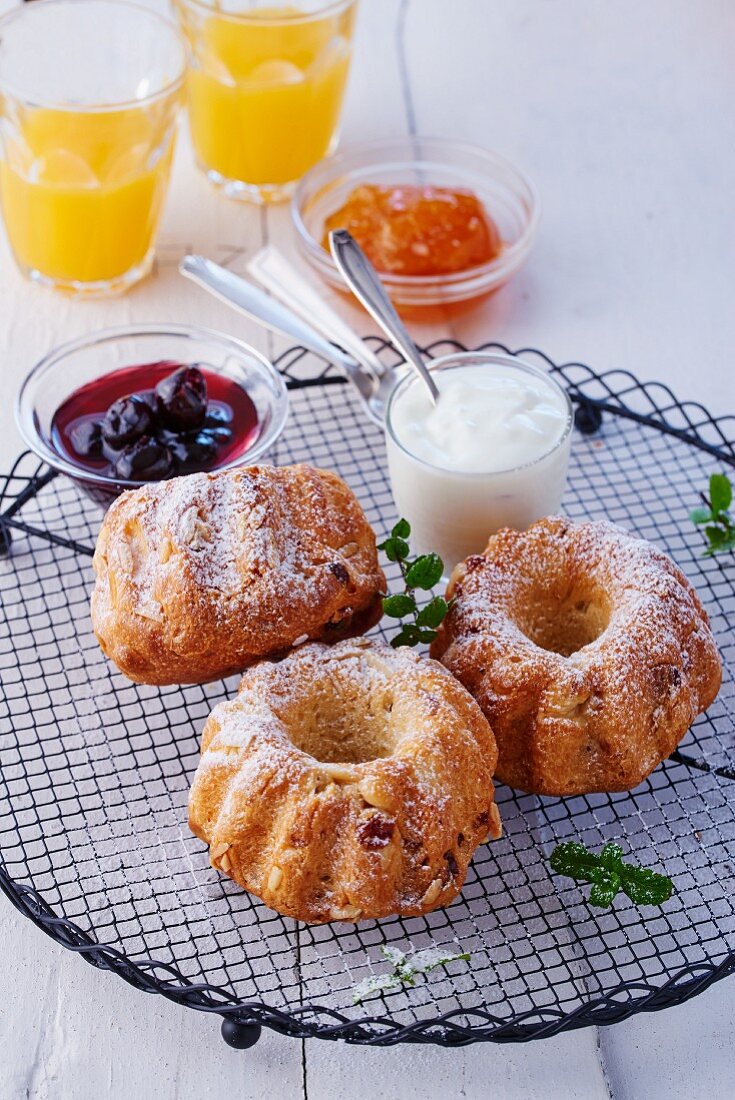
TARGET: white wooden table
(622,113)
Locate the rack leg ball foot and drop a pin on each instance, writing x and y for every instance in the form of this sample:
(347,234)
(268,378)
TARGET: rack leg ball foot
(240,1036)
(587,417)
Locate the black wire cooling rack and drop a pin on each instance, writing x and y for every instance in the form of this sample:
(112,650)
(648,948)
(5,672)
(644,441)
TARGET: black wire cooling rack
(95,772)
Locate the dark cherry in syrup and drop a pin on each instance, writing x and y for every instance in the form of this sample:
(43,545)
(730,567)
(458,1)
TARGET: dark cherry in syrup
(182,399)
(195,451)
(145,459)
(219,435)
(126,420)
(218,416)
(86,438)
(153,421)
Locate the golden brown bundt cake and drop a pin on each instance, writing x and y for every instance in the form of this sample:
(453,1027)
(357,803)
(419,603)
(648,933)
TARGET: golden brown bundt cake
(346,782)
(587,649)
(202,575)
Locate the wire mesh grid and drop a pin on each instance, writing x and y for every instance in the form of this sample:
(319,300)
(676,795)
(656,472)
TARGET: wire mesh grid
(95,773)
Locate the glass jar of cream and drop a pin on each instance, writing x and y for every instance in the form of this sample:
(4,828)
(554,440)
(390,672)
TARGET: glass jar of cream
(492,452)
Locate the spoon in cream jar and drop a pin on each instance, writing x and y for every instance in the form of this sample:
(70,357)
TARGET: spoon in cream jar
(364,282)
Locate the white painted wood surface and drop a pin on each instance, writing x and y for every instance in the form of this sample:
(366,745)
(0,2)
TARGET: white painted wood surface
(623,115)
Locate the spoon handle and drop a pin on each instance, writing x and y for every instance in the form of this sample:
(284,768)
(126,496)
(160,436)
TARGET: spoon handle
(255,303)
(281,279)
(362,279)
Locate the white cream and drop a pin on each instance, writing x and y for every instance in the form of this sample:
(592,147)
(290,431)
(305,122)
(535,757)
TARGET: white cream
(491,453)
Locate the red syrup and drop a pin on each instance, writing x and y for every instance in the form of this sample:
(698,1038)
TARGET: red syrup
(230,423)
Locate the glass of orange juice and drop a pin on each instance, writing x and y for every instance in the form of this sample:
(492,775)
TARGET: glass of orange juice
(89,94)
(265,89)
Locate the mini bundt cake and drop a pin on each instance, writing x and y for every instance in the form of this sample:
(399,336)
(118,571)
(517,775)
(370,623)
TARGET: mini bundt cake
(200,576)
(346,783)
(587,649)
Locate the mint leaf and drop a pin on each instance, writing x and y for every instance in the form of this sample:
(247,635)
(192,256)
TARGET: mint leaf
(609,875)
(717,536)
(611,857)
(646,887)
(719,528)
(423,962)
(425,572)
(394,955)
(407,635)
(376,983)
(434,612)
(606,886)
(571,859)
(395,549)
(406,969)
(399,605)
(720,492)
(721,546)
(461,956)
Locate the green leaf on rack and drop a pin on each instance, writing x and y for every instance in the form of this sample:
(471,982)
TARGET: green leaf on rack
(422,573)
(719,528)
(720,492)
(646,887)
(605,888)
(408,635)
(611,857)
(406,969)
(395,549)
(701,515)
(609,875)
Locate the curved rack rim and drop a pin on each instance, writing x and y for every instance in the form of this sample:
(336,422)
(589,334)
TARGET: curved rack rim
(318,1021)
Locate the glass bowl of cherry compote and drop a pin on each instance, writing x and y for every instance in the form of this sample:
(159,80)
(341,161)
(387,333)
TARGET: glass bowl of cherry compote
(127,406)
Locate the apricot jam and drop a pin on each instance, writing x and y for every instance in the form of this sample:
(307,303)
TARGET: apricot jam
(418,231)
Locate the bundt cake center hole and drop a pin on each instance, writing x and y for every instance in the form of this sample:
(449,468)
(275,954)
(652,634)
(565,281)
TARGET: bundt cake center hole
(334,730)
(568,625)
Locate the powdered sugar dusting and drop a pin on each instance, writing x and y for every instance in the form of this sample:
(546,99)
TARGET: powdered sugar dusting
(228,567)
(588,627)
(336,757)
(640,581)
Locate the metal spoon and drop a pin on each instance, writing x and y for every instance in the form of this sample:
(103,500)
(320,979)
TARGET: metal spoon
(362,279)
(260,307)
(274,271)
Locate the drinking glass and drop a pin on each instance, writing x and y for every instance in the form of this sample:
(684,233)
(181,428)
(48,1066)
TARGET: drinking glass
(89,94)
(265,89)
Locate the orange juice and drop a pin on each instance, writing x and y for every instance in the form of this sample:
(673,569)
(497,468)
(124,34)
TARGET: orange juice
(89,95)
(82,192)
(265,89)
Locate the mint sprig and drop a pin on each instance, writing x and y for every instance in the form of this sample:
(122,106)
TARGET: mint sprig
(406,968)
(609,875)
(719,528)
(422,572)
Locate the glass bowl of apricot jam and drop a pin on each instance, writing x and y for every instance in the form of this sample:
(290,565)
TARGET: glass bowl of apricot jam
(120,408)
(443,222)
